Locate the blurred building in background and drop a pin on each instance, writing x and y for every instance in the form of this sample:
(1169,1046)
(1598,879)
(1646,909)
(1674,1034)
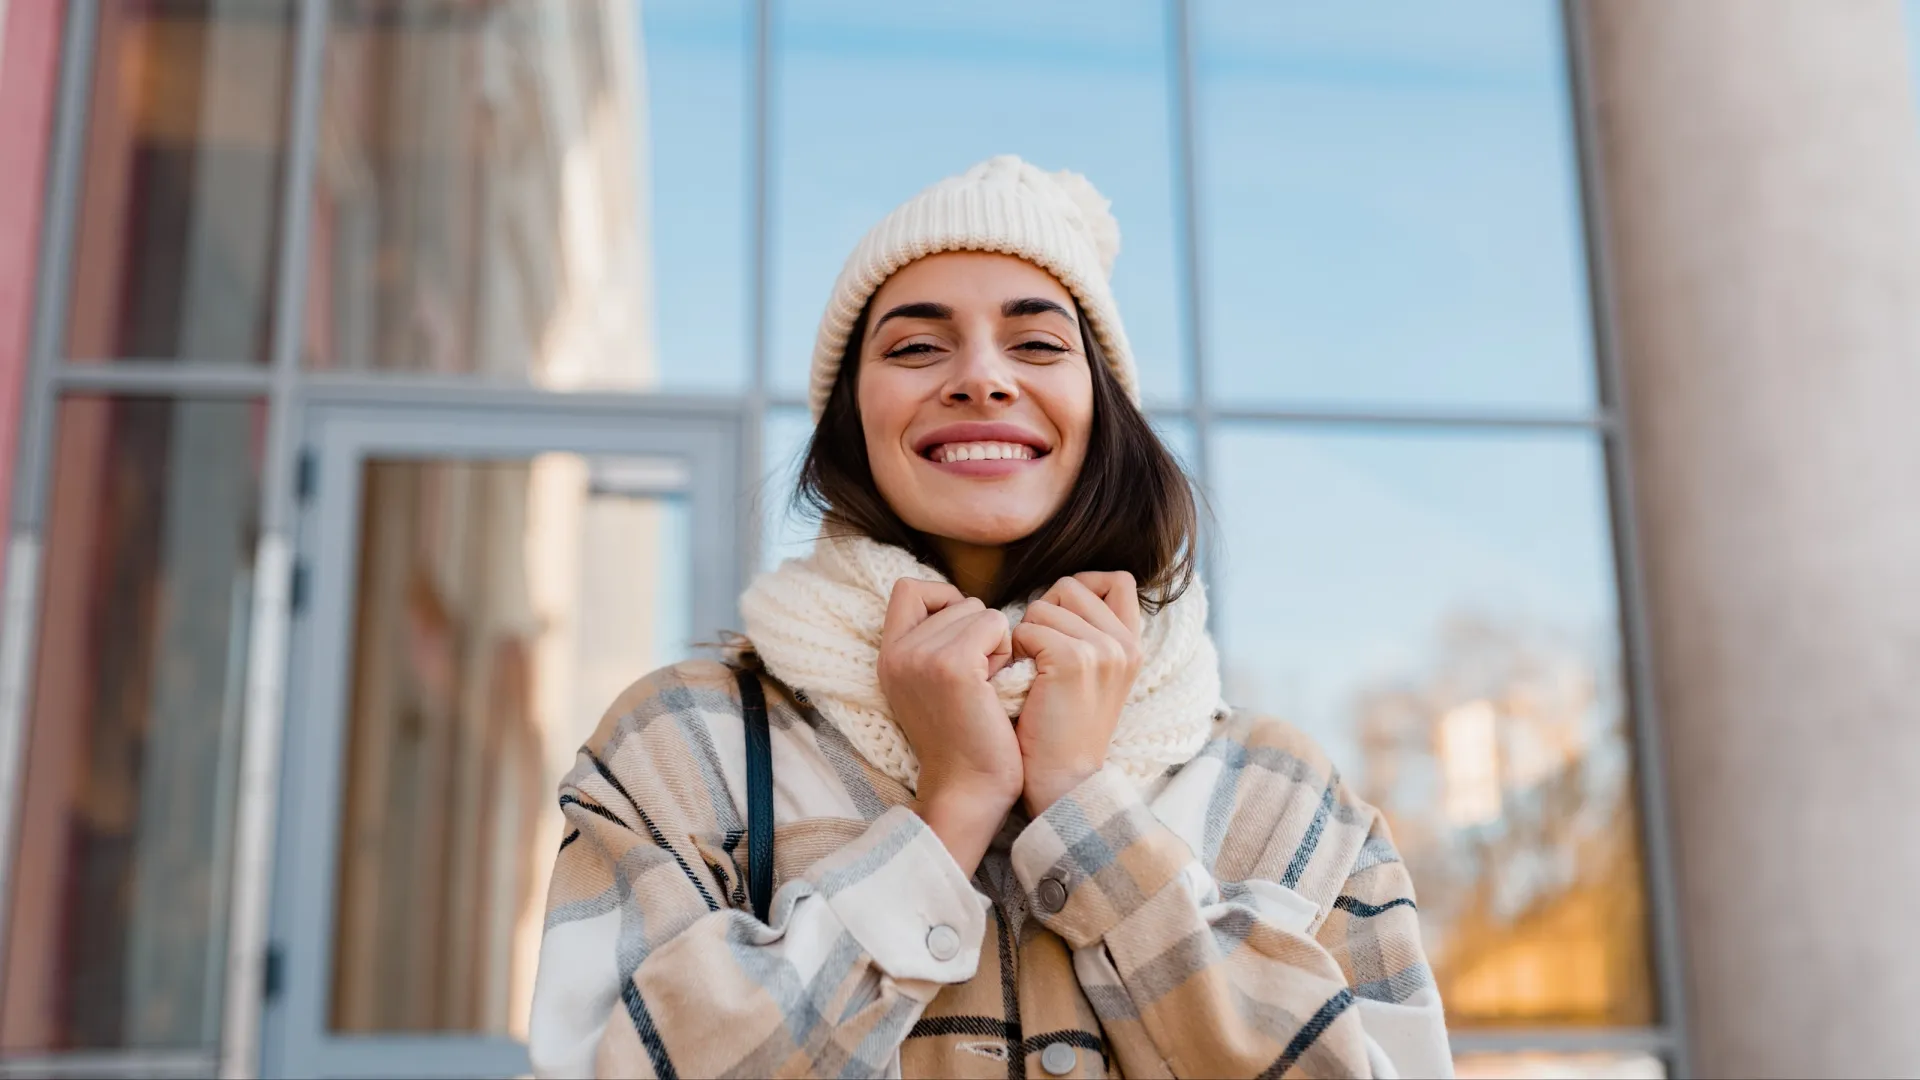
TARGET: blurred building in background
(384,384)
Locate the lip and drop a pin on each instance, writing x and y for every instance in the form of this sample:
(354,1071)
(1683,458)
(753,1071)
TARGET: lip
(981,431)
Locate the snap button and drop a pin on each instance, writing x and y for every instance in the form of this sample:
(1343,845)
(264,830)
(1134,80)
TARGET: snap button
(943,942)
(1052,896)
(1057,1059)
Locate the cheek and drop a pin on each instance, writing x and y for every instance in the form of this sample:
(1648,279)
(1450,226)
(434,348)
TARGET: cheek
(885,411)
(1068,404)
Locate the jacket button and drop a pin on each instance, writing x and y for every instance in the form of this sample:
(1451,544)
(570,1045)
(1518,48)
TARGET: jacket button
(1058,1059)
(1052,896)
(943,942)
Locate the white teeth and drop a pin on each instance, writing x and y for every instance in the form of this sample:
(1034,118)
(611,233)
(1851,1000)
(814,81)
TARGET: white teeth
(983,451)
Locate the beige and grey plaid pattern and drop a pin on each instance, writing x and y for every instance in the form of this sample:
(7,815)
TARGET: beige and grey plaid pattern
(1247,916)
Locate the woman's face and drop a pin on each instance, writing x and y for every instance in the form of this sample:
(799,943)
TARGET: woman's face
(976,396)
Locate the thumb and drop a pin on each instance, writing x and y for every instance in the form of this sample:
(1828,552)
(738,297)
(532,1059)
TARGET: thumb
(1002,654)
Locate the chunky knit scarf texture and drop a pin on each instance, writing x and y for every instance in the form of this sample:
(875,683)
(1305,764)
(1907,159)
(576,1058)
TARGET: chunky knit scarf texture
(815,623)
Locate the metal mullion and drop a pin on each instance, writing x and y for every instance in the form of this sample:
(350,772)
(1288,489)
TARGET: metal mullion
(1421,418)
(63,190)
(93,1063)
(1649,766)
(414,391)
(33,457)
(751,516)
(161,378)
(1186,184)
(257,787)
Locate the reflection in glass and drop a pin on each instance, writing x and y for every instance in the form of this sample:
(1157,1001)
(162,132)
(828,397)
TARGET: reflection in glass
(178,214)
(1535,1065)
(1438,612)
(477,209)
(936,87)
(1390,205)
(117,918)
(501,607)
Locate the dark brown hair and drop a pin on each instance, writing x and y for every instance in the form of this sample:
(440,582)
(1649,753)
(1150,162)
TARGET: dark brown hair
(1131,508)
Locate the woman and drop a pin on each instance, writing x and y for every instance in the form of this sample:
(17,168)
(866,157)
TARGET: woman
(1018,834)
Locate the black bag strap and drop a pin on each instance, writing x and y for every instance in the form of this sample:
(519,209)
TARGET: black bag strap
(753,708)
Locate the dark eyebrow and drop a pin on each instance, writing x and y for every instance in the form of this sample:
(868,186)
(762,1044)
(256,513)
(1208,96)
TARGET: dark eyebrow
(1032,305)
(923,309)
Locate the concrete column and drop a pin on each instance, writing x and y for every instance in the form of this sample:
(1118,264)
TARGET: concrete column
(1759,163)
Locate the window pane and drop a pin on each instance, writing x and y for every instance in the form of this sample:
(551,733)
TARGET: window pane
(786,532)
(179,208)
(1913,45)
(477,205)
(118,914)
(935,88)
(1438,611)
(1390,205)
(1177,435)
(695,56)
(502,606)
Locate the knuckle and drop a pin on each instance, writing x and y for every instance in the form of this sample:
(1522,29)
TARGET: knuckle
(947,662)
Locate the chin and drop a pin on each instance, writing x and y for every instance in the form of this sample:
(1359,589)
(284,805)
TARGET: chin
(984,528)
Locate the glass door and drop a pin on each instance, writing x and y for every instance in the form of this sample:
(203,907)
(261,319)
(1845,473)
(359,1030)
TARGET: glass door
(478,585)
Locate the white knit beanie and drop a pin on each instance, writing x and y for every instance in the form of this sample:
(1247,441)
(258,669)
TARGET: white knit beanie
(1057,221)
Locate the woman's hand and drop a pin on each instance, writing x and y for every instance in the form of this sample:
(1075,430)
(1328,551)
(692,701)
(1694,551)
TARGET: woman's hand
(1084,638)
(938,648)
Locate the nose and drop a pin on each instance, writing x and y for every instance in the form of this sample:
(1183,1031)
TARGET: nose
(981,374)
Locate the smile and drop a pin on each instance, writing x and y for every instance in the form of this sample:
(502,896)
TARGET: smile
(948,453)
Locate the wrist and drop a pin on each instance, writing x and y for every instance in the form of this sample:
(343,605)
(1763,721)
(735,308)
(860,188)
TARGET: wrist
(966,821)
(1044,788)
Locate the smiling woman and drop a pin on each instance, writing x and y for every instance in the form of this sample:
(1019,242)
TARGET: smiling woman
(995,714)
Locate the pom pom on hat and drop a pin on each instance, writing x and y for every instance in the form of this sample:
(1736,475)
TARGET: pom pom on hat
(1096,216)
(1058,221)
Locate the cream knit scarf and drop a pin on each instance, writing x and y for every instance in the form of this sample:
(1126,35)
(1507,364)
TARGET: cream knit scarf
(815,623)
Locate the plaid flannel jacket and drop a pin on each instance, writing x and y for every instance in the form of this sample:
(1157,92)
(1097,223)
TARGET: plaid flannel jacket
(1247,916)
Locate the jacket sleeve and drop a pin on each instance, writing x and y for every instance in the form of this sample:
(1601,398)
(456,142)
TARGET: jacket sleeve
(644,970)
(1196,977)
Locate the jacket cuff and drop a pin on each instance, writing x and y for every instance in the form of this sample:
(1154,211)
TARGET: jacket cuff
(900,895)
(1095,857)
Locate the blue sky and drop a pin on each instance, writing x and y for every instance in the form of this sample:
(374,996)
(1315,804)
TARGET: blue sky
(1389,217)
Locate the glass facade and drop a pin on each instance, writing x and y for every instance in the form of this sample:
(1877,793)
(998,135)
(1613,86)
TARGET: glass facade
(185,140)
(117,916)
(1438,610)
(1353,269)
(1390,208)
